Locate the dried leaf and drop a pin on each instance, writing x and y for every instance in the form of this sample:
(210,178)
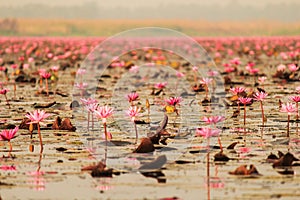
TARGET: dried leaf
(221,157)
(242,170)
(146,146)
(285,161)
(47,105)
(147,104)
(231,146)
(67,125)
(56,123)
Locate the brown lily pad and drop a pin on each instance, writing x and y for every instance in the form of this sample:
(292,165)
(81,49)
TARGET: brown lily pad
(232,145)
(243,170)
(47,105)
(25,124)
(66,124)
(285,161)
(221,157)
(146,146)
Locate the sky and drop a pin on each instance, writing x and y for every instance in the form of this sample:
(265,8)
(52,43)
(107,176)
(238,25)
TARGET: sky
(137,3)
(212,10)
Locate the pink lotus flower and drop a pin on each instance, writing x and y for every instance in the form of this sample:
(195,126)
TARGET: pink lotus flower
(288,108)
(260,96)
(253,70)
(81,71)
(281,67)
(297,90)
(133,112)
(213,119)
(245,100)
(8,168)
(81,86)
(4,91)
(206,81)
(251,64)
(212,73)
(237,90)
(14,66)
(179,74)
(91,107)
(103,112)
(293,67)
(235,61)
(160,85)
(55,68)
(37,116)
(45,75)
(229,69)
(88,101)
(30,59)
(7,135)
(26,66)
(134,69)
(207,132)
(262,79)
(195,68)
(132,97)
(173,101)
(41,71)
(295,99)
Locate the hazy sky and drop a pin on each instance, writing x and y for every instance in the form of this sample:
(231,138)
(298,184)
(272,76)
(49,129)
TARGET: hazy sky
(137,3)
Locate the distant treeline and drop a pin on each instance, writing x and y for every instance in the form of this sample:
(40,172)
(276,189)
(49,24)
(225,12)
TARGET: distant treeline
(93,10)
(109,27)
(8,26)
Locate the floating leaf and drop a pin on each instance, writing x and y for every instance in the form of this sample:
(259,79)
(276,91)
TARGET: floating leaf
(146,146)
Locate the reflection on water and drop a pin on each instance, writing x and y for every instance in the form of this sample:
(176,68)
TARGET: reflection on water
(36,178)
